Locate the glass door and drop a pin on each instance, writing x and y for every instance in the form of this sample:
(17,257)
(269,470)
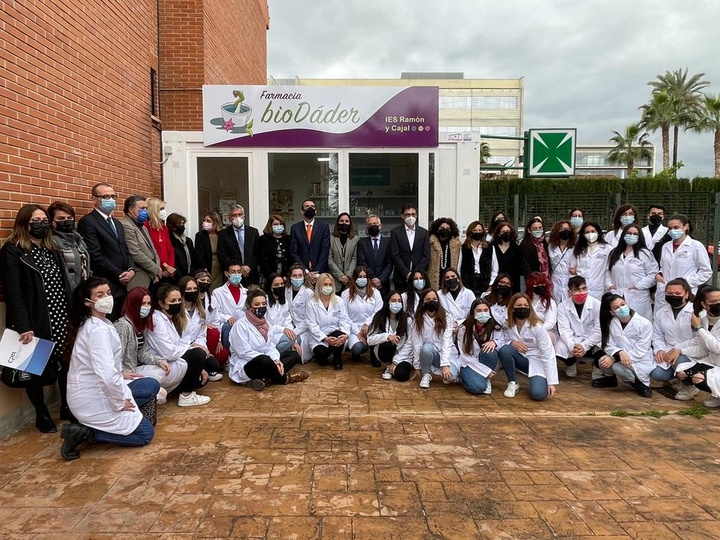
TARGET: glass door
(222,181)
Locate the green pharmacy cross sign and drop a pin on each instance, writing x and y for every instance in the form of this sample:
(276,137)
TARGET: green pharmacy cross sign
(550,152)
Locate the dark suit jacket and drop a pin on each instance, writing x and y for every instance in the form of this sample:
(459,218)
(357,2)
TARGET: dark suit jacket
(314,255)
(403,258)
(268,254)
(109,256)
(181,262)
(228,250)
(378,266)
(203,250)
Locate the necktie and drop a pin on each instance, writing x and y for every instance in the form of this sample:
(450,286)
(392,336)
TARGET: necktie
(375,245)
(309,232)
(241,243)
(112,226)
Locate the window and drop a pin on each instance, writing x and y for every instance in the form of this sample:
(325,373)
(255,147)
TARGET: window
(495,102)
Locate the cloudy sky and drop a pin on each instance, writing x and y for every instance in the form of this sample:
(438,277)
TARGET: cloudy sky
(586,63)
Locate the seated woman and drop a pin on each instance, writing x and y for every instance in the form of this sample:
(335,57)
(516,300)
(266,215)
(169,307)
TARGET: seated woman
(328,323)
(213,320)
(195,331)
(164,340)
(278,312)
(97,394)
(363,301)
(388,334)
(454,297)
(419,281)
(255,359)
(431,341)
(530,351)
(136,356)
(626,340)
(498,298)
(538,287)
(478,339)
(298,293)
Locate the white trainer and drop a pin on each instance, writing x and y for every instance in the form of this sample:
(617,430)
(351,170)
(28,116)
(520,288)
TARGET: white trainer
(425,381)
(162,397)
(215,376)
(192,400)
(511,389)
(686,393)
(488,388)
(711,402)
(571,371)
(386,374)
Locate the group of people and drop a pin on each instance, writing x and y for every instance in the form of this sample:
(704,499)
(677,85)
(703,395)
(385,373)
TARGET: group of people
(137,310)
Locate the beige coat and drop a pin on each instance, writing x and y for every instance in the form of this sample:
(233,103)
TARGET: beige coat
(433,270)
(145,259)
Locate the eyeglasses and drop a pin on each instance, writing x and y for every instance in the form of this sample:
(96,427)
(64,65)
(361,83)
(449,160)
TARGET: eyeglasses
(62,219)
(106,197)
(38,220)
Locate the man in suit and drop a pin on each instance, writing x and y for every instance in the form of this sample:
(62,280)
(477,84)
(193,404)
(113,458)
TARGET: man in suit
(240,242)
(409,248)
(142,251)
(105,239)
(373,252)
(310,242)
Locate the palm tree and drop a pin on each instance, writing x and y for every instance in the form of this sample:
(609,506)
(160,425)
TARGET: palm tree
(685,100)
(710,121)
(630,147)
(484,153)
(658,115)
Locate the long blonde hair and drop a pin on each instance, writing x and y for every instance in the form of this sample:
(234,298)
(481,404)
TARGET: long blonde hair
(153,206)
(318,286)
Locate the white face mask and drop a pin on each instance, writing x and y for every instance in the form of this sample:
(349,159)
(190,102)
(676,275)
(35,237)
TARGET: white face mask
(104,305)
(208,226)
(327,290)
(410,221)
(238,222)
(395,307)
(144,311)
(591,237)
(163,214)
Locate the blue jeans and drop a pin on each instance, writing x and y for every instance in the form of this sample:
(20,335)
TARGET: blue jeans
(666,375)
(285,343)
(359,348)
(225,335)
(430,358)
(471,380)
(142,435)
(512,361)
(143,390)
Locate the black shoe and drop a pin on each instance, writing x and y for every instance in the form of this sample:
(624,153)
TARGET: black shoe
(74,435)
(323,362)
(605,382)
(642,390)
(355,358)
(66,414)
(338,365)
(374,362)
(44,423)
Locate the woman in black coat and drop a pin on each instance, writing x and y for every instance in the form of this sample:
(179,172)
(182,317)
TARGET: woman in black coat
(185,256)
(509,255)
(275,248)
(206,241)
(37,296)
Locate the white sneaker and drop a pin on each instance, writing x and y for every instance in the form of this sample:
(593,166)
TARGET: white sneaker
(571,371)
(192,400)
(711,402)
(488,388)
(425,381)
(511,389)
(215,376)
(686,393)
(162,397)
(386,374)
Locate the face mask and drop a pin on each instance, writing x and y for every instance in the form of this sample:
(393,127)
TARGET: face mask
(235,279)
(505,237)
(104,305)
(191,296)
(451,284)
(655,220)
(410,221)
(66,226)
(622,312)
(564,234)
(180,230)
(521,313)
(431,306)
(208,226)
(309,213)
(238,222)
(260,312)
(163,214)
(674,301)
(482,316)
(579,298)
(344,228)
(142,216)
(713,310)
(576,222)
(537,234)
(591,237)
(373,230)
(419,284)
(361,282)
(107,205)
(144,311)
(631,239)
(540,290)
(676,234)
(504,290)
(278,229)
(627,220)
(477,236)
(395,307)
(326,290)
(173,309)
(279,292)
(39,230)
(297,282)
(203,287)
(444,234)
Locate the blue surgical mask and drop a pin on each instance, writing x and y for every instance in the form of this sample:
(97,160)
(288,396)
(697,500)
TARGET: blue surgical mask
(576,222)
(142,216)
(361,282)
(419,284)
(537,234)
(676,234)
(627,220)
(297,282)
(108,205)
(327,290)
(144,311)
(482,316)
(631,239)
(235,279)
(278,229)
(395,307)
(622,311)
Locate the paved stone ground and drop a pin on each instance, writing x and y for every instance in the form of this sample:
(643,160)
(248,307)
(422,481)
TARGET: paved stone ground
(346,455)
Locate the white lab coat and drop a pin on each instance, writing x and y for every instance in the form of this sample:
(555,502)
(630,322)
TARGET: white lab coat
(572,329)
(500,315)
(224,302)
(246,343)
(632,277)
(212,316)
(613,237)
(406,308)
(377,338)
(279,314)
(635,339)
(560,268)
(196,330)
(321,321)
(457,308)
(652,239)
(593,266)
(540,353)
(471,360)
(163,340)
(96,390)
(706,350)
(361,311)
(548,314)
(690,261)
(443,343)
(670,333)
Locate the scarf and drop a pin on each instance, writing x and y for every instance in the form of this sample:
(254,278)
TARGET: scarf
(542,254)
(261,324)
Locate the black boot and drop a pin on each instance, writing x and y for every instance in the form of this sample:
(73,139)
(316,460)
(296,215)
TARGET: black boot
(609,381)
(642,390)
(337,364)
(74,435)
(44,422)
(374,362)
(66,414)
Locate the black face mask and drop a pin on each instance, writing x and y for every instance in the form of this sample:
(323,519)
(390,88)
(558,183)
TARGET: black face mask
(309,213)
(180,230)
(66,226)
(714,310)
(451,283)
(540,290)
(655,220)
(373,230)
(504,290)
(674,301)
(505,237)
(344,228)
(173,309)
(260,312)
(564,235)
(191,296)
(280,293)
(39,230)
(521,313)
(431,306)
(477,236)
(444,234)
(203,287)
